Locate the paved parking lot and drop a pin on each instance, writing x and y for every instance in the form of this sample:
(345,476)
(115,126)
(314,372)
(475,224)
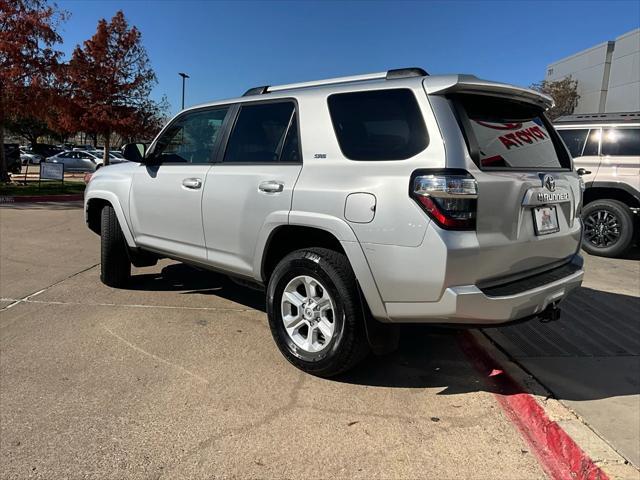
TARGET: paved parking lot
(177,377)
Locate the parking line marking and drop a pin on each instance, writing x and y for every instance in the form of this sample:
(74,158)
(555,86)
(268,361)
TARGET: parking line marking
(128,305)
(155,357)
(27,298)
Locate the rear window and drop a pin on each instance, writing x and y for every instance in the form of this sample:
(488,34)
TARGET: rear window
(378,125)
(621,141)
(507,134)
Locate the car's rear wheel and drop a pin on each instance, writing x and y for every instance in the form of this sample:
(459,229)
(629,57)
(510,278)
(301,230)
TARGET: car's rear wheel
(115,268)
(608,228)
(315,313)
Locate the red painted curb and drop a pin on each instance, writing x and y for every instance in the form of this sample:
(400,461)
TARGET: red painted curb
(559,455)
(42,198)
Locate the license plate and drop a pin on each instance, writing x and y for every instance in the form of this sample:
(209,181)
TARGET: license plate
(545,220)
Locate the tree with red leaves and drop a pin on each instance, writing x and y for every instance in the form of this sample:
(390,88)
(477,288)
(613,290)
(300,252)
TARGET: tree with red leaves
(109,81)
(28,62)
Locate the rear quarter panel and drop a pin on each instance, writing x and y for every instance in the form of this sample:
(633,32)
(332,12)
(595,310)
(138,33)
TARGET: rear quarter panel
(327,177)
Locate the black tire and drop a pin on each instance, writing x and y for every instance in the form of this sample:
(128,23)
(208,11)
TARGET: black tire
(612,215)
(115,269)
(348,346)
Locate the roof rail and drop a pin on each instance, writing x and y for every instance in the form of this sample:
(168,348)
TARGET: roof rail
(388,75)
(609,117)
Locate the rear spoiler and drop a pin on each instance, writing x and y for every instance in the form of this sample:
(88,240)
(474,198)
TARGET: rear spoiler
(441,85)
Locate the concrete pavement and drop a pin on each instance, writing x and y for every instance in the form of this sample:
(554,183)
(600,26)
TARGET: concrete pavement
(41,243)
(590,358)
(178,377)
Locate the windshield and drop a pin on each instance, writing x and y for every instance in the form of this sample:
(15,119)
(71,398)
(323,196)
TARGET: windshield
(506,134)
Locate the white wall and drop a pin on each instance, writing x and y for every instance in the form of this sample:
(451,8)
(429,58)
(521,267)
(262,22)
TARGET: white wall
(608,75)
(588,68)
(624,79)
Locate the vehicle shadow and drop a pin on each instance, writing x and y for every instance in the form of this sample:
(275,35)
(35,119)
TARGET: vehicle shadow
(592,352)
(188,280)
(427,357)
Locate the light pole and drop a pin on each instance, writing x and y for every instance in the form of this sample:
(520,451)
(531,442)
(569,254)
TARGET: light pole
(184,77)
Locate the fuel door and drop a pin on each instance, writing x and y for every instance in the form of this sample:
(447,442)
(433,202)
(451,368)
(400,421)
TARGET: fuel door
(360,207)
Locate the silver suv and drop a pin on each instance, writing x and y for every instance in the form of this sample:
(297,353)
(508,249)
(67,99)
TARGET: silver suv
(357,203)
(606,151)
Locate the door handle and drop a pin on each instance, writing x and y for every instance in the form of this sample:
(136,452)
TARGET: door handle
(192,183)
(271,186)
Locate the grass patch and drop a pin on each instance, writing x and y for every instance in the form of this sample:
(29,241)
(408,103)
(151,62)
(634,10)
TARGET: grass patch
(47,188)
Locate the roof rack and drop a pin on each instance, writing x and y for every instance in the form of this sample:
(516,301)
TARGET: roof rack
(599,117)
(388,75)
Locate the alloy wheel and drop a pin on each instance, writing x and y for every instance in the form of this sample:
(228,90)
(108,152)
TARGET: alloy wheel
(308,313)
(602,228)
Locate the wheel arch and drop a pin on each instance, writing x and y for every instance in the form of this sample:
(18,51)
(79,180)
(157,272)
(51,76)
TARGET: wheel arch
(611,191)
(94,203)
(334,234)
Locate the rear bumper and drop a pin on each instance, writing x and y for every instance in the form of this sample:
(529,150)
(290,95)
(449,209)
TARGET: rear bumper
(470,304)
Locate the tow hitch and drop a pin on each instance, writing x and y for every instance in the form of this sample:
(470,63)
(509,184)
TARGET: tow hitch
(550,314)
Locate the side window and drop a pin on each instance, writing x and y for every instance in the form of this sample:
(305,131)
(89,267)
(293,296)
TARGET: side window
(378,125)
(593,143)
(191,138)
(258,134)
(574,140)
(621,141)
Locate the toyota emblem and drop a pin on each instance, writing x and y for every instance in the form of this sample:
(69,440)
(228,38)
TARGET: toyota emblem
(549,182)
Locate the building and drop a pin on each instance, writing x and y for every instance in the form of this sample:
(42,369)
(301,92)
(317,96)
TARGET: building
(608,75)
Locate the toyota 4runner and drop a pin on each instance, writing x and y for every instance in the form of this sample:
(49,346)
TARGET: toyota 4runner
(357,203)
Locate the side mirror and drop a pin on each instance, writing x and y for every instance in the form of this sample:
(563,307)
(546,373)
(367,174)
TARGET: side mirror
(134,152)
(583,171)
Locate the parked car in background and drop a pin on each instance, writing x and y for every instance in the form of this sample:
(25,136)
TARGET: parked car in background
(28,156)
(393,197)
(77,161)
(114,156)
(46,150)
(12,157)
(606,151)
(83,160)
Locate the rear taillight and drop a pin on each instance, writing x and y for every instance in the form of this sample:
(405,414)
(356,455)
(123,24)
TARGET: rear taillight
(450,199)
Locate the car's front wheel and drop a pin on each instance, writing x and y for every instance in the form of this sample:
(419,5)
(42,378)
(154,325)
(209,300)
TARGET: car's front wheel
(315,313)
(608,228)
(115,268)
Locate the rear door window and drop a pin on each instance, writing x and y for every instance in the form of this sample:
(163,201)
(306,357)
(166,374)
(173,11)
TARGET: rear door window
(259,134)
(574,140)
(507,134)
(378,125)
(621,141)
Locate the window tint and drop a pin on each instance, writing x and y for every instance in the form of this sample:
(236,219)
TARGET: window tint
(378,125)
(507,134)
(574,140)
(191,138)
(593,143)
(621,141)
(258,134)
